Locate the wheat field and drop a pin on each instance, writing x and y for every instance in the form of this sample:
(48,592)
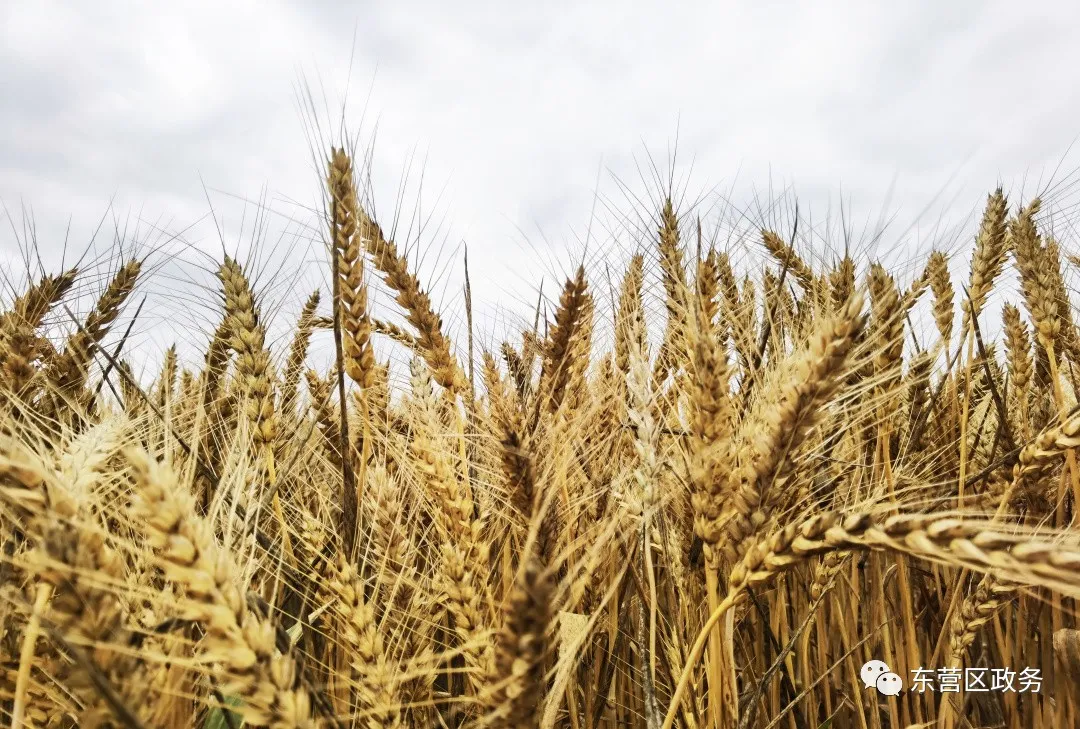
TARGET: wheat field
(712,521)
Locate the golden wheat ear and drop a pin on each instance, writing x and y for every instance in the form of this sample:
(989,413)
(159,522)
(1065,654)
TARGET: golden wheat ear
(247,337)
(238,640)
(298,350)
(516,684)
(67,373)
(782,417)
(22,349)
(562,349)
(432,343)
(463,550)
(348,227)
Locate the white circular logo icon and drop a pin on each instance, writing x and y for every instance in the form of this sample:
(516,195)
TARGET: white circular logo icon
(870,672)
(889,684)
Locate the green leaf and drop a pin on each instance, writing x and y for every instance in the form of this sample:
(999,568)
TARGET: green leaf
(222,718)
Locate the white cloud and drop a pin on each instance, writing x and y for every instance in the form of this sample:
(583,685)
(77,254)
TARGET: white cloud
(511,109)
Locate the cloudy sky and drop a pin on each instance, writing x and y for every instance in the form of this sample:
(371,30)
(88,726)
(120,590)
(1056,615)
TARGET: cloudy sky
(523,121)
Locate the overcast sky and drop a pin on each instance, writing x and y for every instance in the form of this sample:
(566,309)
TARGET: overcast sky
(513,112)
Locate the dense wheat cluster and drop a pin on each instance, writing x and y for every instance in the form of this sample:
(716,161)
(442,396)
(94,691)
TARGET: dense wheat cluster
(712,532)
